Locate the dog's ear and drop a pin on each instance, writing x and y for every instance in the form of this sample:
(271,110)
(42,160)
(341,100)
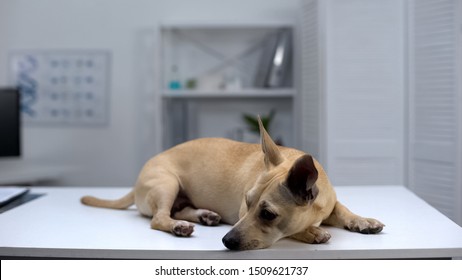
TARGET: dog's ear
(270,149)
(301,180)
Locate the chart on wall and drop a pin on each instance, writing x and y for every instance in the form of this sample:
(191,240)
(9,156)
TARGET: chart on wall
(62,87)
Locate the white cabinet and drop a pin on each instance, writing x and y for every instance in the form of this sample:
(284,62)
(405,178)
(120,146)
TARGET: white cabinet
(352,89)
(435,103)
(381,94)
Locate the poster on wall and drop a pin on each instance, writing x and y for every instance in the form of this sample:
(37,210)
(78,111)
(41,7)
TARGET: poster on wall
(61,87)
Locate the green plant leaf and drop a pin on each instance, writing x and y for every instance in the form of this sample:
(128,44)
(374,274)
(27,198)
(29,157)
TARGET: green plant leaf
(252,121)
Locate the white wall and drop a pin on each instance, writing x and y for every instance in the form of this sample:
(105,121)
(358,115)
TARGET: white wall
(108,155)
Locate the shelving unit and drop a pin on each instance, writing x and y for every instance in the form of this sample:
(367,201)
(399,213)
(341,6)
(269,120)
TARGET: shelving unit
(210,74)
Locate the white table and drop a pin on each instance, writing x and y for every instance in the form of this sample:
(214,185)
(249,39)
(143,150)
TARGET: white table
(57,225)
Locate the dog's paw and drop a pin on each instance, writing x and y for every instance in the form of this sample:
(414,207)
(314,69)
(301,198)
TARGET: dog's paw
(209,218)
(365,225)
(320,235)
(312,235)
(183,229)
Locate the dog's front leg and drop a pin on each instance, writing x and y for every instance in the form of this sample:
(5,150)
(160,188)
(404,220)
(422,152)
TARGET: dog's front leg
(312,235)
(343,218)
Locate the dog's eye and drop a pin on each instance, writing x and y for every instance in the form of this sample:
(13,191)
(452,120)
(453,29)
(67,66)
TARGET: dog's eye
(267,215)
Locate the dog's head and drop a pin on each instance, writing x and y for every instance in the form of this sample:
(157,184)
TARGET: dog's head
(277,205)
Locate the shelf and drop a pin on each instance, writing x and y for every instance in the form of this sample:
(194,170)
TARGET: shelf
(244,93)
(226,25)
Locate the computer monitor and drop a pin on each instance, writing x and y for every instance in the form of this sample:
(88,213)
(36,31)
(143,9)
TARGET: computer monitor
(10,123)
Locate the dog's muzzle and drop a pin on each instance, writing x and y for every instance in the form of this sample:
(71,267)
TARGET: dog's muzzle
(232,241)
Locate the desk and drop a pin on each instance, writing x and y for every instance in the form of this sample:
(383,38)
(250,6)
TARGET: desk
(18,173)
(57,225)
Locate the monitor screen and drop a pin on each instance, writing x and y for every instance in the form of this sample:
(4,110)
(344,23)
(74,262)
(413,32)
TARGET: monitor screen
(10,123)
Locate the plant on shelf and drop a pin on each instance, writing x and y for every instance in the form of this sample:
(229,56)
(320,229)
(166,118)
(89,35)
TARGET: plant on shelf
(252,123)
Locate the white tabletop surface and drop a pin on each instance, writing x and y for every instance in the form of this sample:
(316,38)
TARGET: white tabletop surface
(57,225)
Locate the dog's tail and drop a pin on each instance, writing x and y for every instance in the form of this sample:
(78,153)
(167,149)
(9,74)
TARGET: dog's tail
(121,203)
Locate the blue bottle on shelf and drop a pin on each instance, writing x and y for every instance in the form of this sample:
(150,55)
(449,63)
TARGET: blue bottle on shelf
(174,79)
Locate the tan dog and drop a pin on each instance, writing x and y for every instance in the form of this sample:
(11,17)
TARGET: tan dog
(280,192)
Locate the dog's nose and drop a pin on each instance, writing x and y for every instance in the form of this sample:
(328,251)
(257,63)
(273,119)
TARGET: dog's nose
(231,241)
